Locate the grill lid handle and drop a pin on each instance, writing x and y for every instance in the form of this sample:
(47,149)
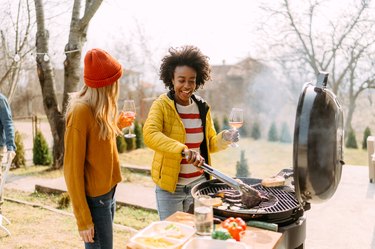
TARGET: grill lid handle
(322,79)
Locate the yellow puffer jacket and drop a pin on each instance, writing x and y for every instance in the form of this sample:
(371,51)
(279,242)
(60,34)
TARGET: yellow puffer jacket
(164,133)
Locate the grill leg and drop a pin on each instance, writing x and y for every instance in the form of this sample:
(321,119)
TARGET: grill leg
(294,234)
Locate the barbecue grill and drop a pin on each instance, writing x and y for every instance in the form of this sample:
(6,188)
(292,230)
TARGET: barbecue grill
(317,165)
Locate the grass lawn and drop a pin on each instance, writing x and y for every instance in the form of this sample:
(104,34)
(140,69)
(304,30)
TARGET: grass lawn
(39,228)
(264,158)
(35,227)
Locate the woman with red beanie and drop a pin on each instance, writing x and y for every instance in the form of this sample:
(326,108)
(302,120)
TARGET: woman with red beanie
(91,162)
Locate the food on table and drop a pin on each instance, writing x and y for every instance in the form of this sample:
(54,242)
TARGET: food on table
(221,234)
(264,225)
(156,242)
(173,231)
(276,181)
(163,234)
(234,226)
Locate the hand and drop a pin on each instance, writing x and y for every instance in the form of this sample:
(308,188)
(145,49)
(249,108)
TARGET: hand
(11,155)
(124,121)
(193,157)
(231,135)
(87,235)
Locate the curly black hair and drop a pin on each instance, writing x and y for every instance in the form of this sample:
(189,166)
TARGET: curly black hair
(185,56)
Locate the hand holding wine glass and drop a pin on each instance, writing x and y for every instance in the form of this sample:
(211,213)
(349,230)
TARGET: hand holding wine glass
(129,113)
(236,121)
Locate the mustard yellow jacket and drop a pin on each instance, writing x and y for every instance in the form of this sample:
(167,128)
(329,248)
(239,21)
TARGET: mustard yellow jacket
(164,133)
(91,165)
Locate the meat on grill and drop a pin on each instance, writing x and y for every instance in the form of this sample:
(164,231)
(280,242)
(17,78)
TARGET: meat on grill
(249,199)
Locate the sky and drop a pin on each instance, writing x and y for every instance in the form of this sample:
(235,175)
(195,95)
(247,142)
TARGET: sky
(221,29)
(226,31)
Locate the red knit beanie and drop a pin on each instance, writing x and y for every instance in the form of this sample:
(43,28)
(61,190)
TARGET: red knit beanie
(100,68)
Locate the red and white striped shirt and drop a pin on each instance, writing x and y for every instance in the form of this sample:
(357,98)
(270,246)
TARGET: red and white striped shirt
(194,136)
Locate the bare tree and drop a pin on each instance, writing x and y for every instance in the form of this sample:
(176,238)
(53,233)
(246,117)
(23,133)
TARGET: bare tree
(14,51)
(135,52)
(345,47)
(73,51)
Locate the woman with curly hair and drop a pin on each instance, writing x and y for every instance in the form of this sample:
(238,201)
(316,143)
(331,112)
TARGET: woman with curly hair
(179,122)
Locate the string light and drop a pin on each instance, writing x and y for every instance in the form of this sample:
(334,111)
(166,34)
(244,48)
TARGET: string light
(71,51)
(46,57)
(16,58)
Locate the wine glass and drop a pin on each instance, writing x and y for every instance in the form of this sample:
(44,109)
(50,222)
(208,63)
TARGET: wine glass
(129,112)
(236,121)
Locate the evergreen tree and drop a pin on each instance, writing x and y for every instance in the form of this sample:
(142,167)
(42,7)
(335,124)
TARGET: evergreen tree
(216,124)
(242,169)
(244,131)
(130,143)
(139,135)
(19,159)
(255,131)
(121,144)
(285,135)
(41,154)
(366,134)
(272,133)
(351,141)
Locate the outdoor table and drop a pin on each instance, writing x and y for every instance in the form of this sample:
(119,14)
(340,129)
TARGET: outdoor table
(265,239)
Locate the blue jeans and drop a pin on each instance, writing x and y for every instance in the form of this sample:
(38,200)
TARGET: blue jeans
(168,203)
(102,211)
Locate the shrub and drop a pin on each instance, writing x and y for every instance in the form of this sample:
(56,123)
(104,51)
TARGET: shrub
(64,201)
(366,134)
(285,134)
(139,135)
(244,131)
(216,124)
(351,141)
(242,169)
(272,133)
(255,131)
(121,144)
(226,123)
(41,155)
(130,143)
(19,159)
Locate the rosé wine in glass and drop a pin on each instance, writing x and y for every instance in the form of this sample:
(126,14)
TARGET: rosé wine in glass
(235,121)
(129,112)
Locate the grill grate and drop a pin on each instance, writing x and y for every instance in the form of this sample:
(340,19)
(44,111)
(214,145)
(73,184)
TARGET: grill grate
(281,198)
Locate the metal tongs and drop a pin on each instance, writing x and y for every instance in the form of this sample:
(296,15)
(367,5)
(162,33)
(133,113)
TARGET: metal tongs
(245,189)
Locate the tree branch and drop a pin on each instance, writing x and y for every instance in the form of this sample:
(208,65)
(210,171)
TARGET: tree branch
(90,9)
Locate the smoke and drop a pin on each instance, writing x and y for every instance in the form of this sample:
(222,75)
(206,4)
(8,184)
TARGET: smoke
(270,101)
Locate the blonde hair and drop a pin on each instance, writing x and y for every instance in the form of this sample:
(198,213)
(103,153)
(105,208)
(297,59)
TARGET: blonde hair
(103,103)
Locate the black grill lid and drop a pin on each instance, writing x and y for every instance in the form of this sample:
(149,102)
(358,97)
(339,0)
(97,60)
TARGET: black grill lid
(318,142)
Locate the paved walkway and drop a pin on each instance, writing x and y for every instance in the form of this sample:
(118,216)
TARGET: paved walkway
(129,194)
(346,221)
